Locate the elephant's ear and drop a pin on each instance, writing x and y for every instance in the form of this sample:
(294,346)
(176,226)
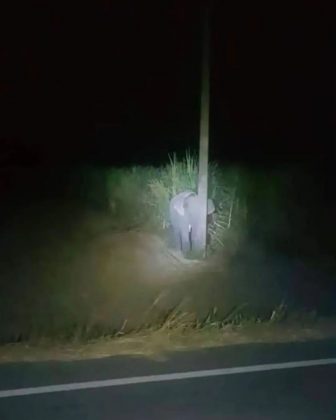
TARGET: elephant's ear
(179,207)
(182,203)
(182,207)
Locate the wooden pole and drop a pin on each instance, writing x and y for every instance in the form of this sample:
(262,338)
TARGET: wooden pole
(204,135)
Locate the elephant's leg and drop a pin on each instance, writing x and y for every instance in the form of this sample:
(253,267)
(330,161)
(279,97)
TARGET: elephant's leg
(196,243)
(177,238)
(185,240)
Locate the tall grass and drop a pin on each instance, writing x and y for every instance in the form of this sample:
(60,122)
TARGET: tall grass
(140,195)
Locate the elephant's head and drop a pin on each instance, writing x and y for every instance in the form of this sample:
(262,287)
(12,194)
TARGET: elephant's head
(185,219)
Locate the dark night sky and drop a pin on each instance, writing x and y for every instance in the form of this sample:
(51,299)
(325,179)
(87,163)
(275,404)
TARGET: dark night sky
(120,80)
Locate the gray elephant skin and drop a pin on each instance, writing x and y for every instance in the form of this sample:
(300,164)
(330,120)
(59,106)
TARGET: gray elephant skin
(184,211)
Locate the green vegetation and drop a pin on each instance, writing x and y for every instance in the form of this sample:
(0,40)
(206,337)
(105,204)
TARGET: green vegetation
(139,196)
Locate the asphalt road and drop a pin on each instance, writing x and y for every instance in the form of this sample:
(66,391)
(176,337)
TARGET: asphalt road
(261,385)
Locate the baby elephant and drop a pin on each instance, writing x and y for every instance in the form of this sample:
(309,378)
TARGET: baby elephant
(185,218)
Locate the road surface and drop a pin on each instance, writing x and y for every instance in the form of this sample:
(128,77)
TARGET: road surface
(259,381)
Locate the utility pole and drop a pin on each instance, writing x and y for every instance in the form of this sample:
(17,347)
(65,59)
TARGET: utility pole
(204,134)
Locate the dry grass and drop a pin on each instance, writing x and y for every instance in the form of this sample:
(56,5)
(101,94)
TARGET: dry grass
(118,282)
(67,275)
(172,336)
